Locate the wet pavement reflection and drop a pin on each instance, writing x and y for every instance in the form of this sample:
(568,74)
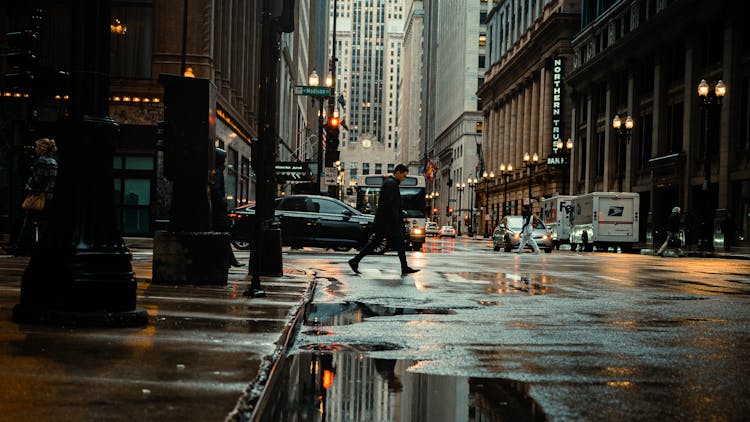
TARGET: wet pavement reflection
(346,313)
(350,386)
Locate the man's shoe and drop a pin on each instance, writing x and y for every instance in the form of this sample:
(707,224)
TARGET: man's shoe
(354,265)
(408,270)
(237,264)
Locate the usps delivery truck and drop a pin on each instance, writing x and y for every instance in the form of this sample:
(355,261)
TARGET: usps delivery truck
(555,217)
(604,219)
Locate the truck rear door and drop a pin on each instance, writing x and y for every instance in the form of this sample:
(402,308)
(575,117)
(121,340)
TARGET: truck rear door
(616,216)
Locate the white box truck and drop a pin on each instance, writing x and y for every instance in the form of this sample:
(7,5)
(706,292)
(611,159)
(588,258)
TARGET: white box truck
(555,217)
(604,219)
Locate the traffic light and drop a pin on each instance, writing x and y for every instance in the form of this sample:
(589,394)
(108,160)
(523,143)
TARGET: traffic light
(434,210)
(448,211)
(332,140)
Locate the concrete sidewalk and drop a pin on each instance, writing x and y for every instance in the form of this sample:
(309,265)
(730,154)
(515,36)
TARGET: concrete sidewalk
(203,356)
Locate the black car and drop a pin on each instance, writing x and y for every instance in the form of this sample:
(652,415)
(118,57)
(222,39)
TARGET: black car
(308,220)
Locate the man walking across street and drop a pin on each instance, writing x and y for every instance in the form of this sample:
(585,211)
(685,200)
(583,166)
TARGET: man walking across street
(673,226)
(527,231)
(389,223)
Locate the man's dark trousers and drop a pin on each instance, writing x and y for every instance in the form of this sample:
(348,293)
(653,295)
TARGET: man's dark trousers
(396,242)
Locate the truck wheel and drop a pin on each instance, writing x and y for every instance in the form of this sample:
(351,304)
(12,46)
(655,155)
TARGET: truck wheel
(496,248)
(416,246)
(548,250)
(573,247)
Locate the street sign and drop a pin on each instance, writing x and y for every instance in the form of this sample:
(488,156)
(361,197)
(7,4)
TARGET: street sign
(292,171)
(330,175)
(312,91)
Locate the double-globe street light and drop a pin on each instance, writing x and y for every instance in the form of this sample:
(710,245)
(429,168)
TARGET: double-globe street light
(505,171)
(314,80)
(432,196)
(621,132)
(472,183)
(710,105)
(530,161)
(565,149)
(486,179)
(460,187)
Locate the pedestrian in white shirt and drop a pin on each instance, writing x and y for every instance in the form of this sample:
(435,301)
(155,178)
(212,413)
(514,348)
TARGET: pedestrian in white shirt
(527,231)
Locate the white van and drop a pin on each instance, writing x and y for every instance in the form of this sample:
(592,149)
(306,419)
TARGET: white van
(555,217)
(604,219)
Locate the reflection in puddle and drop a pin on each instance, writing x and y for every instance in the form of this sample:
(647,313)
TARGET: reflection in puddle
(346,313)
(503,283)
(349,386)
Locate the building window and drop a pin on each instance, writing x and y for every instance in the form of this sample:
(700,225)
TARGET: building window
(482,61)
(353,170)
(378,168)
(131,51)
(391,166)
(365,169)
(482,40)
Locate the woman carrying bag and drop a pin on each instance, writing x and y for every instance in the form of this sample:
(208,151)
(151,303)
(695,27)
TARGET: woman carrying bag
(39,190)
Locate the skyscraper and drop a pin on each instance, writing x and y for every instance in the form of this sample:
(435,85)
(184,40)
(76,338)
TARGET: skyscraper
(369,37)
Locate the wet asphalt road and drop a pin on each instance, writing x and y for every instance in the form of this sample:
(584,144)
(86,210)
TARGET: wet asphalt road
(573,335)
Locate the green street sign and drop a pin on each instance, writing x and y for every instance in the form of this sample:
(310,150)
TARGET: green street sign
(312,91)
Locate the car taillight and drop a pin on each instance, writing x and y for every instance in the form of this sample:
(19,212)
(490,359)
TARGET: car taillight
(233,216)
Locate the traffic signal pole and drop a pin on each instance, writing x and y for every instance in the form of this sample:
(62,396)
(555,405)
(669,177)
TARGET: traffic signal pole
(265,258)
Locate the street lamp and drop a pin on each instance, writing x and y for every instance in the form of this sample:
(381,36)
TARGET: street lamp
(487,178)
(472,185)
(710,105)
(530,162)
(505,171)
(621,132)
(568,147)
(460,187)
(432,196)
(314,80)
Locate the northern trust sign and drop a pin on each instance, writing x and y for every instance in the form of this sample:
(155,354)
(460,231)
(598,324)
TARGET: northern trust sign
(557,158)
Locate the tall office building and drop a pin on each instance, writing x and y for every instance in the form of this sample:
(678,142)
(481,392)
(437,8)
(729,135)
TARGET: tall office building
(455,63)
(369,37)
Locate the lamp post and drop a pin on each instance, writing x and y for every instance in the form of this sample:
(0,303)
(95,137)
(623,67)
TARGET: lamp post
(621,132)
(314,80)
(505,171)
(568,147)
(530,161)
(710,104)
(432,196)
(487,178)
(472,183)
(460,187)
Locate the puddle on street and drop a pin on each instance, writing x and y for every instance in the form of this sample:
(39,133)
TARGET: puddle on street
(349,386)
(346,313)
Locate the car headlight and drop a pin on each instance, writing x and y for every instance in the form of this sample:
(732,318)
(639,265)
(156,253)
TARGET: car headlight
(516,236)
(544,237)
(417,231)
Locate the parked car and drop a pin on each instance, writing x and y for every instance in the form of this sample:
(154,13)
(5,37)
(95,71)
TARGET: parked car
(507,235)
(447,231)
(308,220)
(431,228)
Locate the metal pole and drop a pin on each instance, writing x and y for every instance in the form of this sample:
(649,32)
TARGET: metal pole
(460,210)
(486,205)
(619,162)
(505,195)
(320,146)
